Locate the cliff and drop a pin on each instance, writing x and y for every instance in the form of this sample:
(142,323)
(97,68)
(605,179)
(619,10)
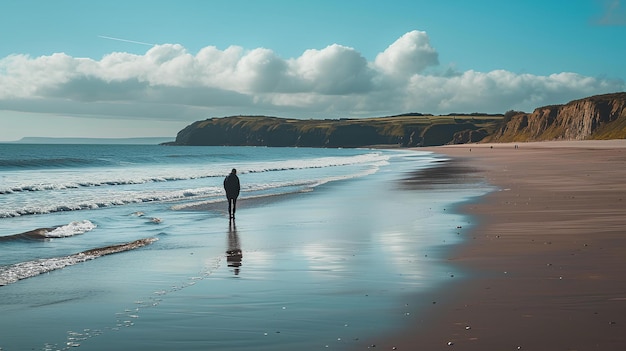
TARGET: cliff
(405,131)
(595,117)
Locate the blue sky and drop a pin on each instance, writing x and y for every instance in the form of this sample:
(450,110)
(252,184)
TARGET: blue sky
(139,68)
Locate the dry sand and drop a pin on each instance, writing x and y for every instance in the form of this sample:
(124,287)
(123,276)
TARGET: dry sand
(546,262)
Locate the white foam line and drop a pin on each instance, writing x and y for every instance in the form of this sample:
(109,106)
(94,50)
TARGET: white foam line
(11,274)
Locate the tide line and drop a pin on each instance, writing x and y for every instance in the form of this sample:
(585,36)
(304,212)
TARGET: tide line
(15,272)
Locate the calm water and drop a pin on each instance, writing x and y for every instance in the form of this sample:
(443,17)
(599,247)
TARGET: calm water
(326,250)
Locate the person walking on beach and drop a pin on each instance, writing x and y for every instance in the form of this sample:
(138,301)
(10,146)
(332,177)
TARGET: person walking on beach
(232,187)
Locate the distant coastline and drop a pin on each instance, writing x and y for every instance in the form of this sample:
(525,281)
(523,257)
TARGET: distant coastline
(101,141)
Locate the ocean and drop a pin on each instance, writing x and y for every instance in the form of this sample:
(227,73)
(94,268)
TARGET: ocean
(129,247)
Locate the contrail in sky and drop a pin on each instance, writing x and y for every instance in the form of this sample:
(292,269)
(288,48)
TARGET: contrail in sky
(125,40)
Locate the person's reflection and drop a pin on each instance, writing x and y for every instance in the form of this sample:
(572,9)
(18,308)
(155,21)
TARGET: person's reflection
(233,254)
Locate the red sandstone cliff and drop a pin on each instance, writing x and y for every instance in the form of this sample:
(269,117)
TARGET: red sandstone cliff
(595,117)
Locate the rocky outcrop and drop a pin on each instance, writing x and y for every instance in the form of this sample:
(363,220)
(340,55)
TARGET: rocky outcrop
(404,131)
(469,136)
(596,117)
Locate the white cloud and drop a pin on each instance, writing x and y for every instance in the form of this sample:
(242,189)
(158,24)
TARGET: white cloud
(334,70)
(499,91)
(409,55)
(260,71)
(168,82)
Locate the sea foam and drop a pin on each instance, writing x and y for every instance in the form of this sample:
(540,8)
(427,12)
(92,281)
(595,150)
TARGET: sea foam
(12,273)
(136,176)
(71,229)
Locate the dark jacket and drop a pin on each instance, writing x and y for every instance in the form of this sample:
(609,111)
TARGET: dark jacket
(231,185)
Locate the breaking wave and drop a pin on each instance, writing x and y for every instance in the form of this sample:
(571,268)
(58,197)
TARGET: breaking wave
(96,180)
(15,272)
(63,200)
(63,231)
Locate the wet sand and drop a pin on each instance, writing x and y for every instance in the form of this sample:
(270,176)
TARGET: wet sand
(545,262)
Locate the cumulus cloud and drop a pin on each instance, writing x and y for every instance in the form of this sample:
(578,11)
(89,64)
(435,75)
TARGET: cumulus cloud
(335,70)
(500,90)
(168,82)
(411,54)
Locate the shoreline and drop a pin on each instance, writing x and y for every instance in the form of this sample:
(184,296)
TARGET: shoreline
(545,256)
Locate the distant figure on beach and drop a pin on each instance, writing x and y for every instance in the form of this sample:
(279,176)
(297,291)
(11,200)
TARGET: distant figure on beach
(232,187)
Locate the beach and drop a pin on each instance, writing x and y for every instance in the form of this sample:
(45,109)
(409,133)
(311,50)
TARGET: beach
(328,248)
(545,261)
(471,247)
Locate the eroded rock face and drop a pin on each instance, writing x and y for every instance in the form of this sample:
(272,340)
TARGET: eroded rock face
(469,136)
(596,117)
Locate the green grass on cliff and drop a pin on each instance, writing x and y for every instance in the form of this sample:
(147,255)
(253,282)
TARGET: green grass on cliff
(395,125)
(613,130)
(405,130)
